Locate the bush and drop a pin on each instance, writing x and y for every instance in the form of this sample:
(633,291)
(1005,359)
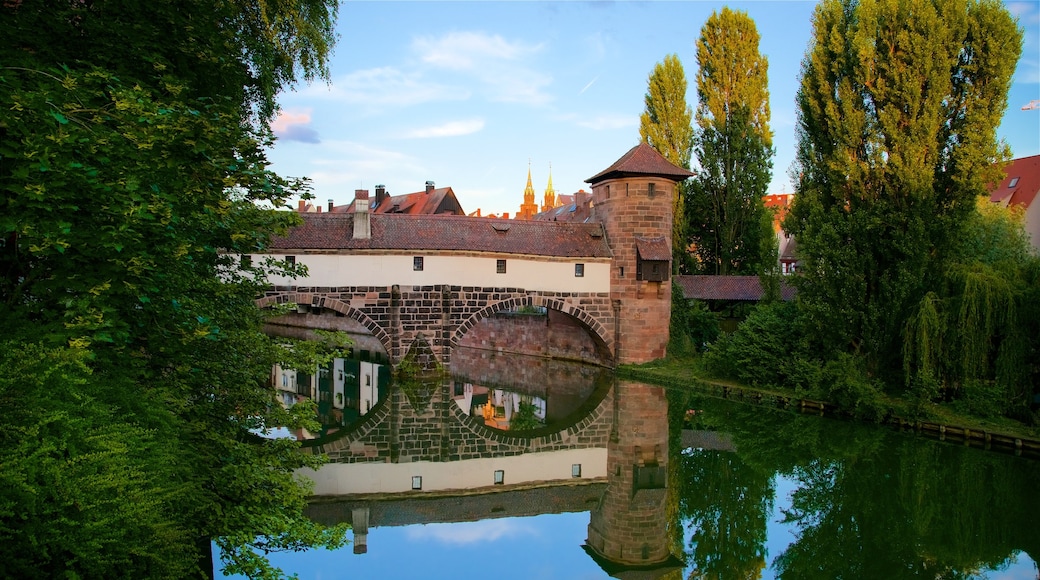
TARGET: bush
(692,327)
(762,349)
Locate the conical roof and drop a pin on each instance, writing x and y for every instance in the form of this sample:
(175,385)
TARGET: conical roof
(641,160)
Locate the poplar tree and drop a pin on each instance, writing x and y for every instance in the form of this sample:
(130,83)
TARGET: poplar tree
(898,109)
(729,225)
(665,126)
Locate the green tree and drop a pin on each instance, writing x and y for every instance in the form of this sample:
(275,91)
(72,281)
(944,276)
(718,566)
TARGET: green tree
(132,173)
(665,126)
(729,226)
(898,108)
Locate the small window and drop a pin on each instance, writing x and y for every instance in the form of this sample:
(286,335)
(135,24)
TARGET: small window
(621,272)
(291,260)
(579,270)
(650,190)
(500,477)
(500,266)
(608,192)
(417,263)
(246,262)
(1013,182)
(416,482)
(576,470)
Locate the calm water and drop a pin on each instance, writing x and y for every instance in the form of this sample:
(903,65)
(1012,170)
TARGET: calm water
(635,481)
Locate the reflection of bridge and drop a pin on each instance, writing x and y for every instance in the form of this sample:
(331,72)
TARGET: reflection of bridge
(423,423)
(611,462)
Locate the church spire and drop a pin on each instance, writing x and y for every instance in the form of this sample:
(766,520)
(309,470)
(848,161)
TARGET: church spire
(529,207)
(549,201)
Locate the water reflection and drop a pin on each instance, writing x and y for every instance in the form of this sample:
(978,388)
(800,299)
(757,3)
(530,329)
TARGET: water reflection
(665,484)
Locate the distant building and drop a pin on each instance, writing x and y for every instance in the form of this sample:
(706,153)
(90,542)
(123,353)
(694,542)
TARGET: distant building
(779,203)
(430,201)
(529,208)
(1021,187)
(570,208)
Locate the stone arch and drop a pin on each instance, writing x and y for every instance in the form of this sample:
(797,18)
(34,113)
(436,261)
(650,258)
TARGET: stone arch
(560,435)
(591,324)
(317,301)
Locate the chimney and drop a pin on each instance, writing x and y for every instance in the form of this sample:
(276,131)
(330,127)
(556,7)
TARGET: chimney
(330,206)
(302,207)
(505,215)
(579,200)
(429,186)
(362,219)
(380,195)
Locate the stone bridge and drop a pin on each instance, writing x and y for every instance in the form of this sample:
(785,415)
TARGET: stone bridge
(407,318)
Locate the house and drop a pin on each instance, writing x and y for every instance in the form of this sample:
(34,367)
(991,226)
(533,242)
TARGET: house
(572,208)
(1020,187)
(432,200)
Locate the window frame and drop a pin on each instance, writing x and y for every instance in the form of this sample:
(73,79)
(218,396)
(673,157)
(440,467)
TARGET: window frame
(500,266)
(418,263)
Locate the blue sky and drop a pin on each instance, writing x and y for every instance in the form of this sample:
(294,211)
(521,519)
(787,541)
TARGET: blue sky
(466,94)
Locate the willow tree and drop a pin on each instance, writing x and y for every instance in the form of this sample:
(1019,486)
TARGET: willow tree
(132,171)
(665,126)
(729,225)
(899,104)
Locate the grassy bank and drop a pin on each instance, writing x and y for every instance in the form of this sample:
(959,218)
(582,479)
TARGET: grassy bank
(685,373)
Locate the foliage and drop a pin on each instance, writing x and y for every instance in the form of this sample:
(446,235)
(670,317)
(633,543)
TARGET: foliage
(665,126)
(132,174)
(898,108)
(768,349)
(692,327)
(524,419)
(972,338)
(728,224)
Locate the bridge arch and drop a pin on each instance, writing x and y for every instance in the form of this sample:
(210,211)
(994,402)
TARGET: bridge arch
(589,322)
(334,305)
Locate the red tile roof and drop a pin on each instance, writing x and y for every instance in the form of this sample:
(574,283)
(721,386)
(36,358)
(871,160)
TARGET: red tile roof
(1027,170)
(334,231)
(641,160)
(746,288)
(438,201)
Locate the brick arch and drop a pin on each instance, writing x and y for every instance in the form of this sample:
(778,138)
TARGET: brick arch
(546,437)
(317,301)
(594,326)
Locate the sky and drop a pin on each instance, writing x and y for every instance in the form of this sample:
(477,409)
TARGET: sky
(472,94)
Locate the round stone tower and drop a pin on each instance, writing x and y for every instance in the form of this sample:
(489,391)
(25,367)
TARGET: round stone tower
(633,200)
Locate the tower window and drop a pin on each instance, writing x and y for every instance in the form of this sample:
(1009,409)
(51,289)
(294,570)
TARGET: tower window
(650,190)
(621,272)
(500,266)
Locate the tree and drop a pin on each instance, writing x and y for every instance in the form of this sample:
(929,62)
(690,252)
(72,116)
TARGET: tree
(132,173)
(898,108)
(665,126)
(729,226)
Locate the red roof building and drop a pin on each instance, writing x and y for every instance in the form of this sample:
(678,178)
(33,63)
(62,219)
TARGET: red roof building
(1021,187)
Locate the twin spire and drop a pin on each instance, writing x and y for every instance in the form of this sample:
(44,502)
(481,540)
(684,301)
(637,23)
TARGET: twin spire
(529,208)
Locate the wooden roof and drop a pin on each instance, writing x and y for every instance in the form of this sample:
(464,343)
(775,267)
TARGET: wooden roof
(741,288)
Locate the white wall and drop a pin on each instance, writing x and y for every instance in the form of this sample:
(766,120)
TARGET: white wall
(527,272)
(361,478)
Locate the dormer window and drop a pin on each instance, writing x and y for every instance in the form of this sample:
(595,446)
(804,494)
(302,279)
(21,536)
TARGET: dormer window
(1013,182)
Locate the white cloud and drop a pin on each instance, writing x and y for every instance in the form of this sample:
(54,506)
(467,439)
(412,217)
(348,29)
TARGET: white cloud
(451,129)
(386,86)
(294,126)
(471,50)
(347,165)
(470,532)
(502,68)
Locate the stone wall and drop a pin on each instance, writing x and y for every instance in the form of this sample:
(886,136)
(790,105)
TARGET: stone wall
(552,334)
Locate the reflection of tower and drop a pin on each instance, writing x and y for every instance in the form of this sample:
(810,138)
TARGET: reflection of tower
(627,530)
(529,207)
(633,200)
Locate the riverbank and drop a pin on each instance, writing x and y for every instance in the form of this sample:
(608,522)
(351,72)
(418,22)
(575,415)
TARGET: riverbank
(934,420)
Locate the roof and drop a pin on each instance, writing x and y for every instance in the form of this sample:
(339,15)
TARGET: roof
(439,200)
(325,231)
(1025,189)
(641,160)
(745,288)
(653,249)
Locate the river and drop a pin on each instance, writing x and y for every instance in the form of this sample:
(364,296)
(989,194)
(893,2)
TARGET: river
(533,469)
